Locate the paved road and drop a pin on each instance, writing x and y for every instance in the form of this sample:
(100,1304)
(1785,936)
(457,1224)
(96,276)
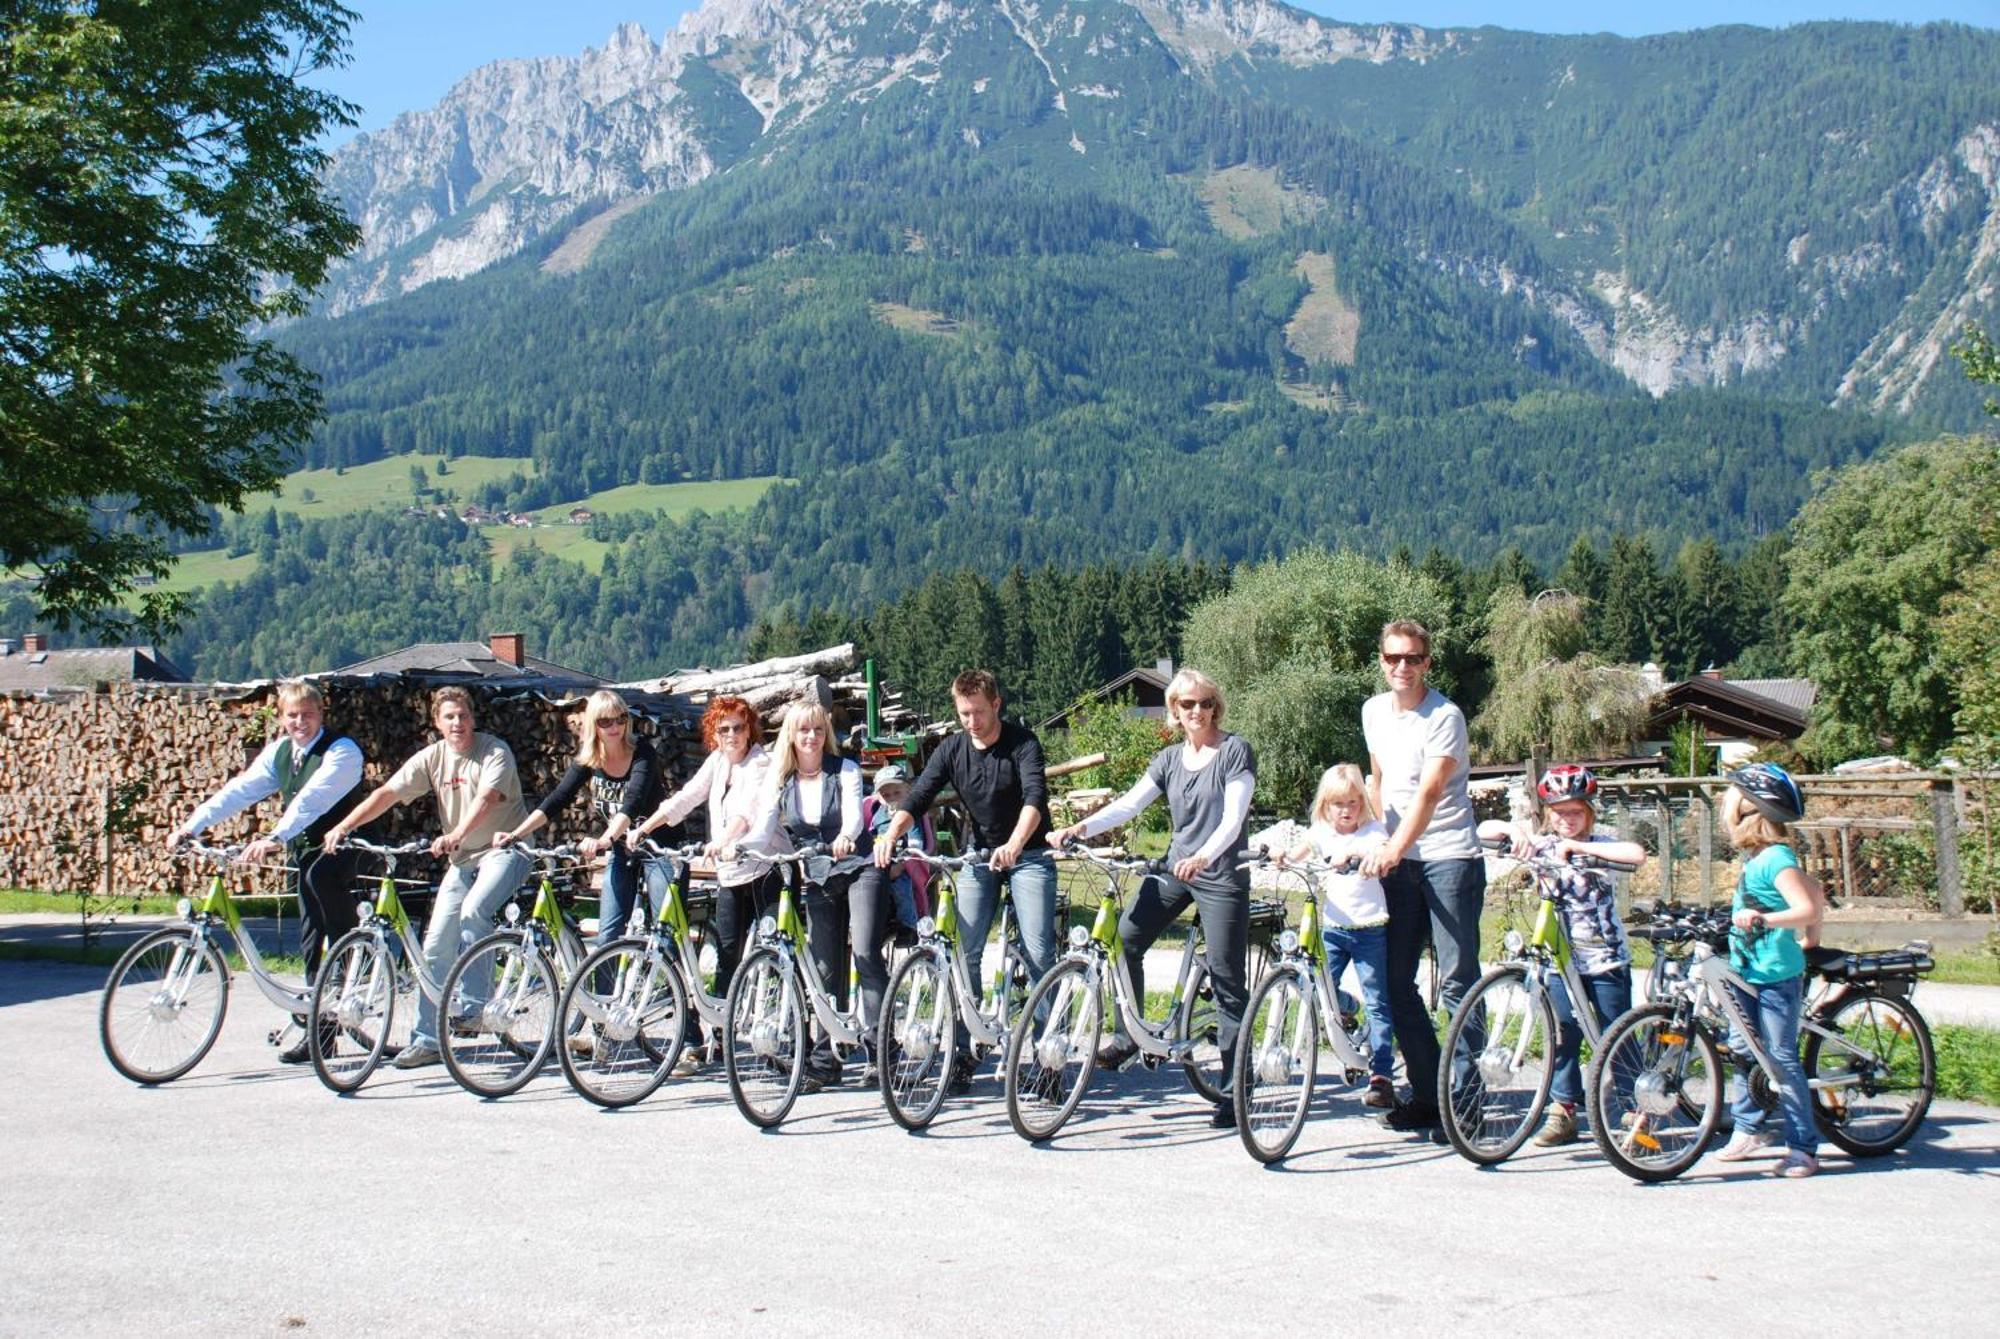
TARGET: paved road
(245,1199)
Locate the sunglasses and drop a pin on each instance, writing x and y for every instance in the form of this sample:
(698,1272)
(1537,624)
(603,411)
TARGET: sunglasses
(729,727)
(1407,658)
(1197,704)
(605,722)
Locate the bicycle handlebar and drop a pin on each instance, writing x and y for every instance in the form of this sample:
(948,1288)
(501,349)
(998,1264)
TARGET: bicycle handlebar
(1549,863)
(949,863)
(1129,865)
(192,850)
(417,847)
(685,851)
(552,854)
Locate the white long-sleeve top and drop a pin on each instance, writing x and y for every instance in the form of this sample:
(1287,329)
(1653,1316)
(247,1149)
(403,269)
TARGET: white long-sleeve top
(812,799)
(1236,795)
(338,773)
(729,792)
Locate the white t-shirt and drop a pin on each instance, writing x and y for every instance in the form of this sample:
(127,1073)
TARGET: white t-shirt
(1401,743)
(1350,901)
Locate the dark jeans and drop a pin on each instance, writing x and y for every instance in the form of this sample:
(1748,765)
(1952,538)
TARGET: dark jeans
(1225,929)
(325,885)
(1610,995)
(737,909)
(1436,902)
(849,909)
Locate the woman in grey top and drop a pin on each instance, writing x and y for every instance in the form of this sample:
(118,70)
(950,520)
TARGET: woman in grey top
(1207,779)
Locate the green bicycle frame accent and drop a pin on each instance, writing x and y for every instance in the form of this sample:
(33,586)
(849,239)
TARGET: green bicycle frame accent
(546,911)
(389,906)
(1549,935)
(1311,942)
(1105,929)
(790,923)
(217,902)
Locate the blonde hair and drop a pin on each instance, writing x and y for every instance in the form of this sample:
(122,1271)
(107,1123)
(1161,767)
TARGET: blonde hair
(1548,822)
(600,704)
(299,690)
(452,693)
(1342,781)
(1193,683)
(785,760)
(1750,828)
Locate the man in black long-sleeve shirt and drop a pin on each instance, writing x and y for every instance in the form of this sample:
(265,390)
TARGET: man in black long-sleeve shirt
(996,768)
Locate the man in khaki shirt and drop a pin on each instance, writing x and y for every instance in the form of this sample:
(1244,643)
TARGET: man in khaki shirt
(478,795)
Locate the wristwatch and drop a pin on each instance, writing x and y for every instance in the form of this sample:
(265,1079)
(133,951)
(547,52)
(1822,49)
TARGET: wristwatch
(1757,921)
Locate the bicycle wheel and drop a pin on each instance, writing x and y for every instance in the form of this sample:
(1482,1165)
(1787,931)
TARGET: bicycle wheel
(1874,1075)
(1050,1056)
(358,992)
(764,1038)
(916,1040)
(499,1015)
(163,1006)
(1277,1060)
(1496,1066)
(1654,1092)
(636,1014)
(1199,1023)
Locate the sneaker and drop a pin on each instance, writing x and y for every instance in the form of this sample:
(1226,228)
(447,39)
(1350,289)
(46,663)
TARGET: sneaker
(299,1052)
(1224,1116)
(1797,1165)
(1559,1128)
(962,1070)
(1114,1052)
(465,1025)
(1381,1094)
(693,1060)
(416,1055)
(1745,1146)
(583,1043)
(1409,1117)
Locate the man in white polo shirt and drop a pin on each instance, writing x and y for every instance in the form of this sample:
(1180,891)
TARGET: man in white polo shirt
(1431,868)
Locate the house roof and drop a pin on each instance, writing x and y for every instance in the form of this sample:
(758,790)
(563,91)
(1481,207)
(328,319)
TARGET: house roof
(85,666)
(1731,710)
(1798,694)
(1143,676)
(471,660)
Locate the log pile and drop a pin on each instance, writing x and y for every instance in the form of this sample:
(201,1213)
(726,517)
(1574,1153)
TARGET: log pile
(92,782)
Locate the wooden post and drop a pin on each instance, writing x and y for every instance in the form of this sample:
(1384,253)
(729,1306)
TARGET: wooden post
(1706,844)
(1666,825)
(1846,862)
(1944,828)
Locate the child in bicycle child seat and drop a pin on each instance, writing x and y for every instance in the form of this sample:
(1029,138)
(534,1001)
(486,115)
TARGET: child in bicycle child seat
(1354,911)
(1777,905)
(1588,904)
(908,883)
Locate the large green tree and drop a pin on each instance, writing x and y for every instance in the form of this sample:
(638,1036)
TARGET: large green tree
(1293,644)
(1551,695)
(1875,557)
(160,197)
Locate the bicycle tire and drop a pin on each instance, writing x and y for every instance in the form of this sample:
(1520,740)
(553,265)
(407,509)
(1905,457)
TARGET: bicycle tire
(358,989)
(1654,1092)
(638,1024)
(1048,1064)
(1876,1111)
(153,1035)
(1277,1062)
(764,1038)
(1199,1024)
(514,1025)
(917,1037)
(1496,1066)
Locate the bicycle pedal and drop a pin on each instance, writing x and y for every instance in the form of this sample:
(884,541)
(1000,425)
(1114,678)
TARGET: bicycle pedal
(1149,1061)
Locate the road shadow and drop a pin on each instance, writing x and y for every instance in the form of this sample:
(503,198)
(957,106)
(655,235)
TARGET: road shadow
(29,981)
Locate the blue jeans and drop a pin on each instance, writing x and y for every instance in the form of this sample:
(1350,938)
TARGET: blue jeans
(1033,881)
(1775,1009)
(903,898)
(468,898)
(621,894)
(1438,902)
(1610,995)
(1368,949)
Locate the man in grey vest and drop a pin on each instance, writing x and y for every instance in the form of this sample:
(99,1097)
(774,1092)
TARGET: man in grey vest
(317,778)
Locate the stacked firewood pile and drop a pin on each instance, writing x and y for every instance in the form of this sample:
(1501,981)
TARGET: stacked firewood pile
(92,782)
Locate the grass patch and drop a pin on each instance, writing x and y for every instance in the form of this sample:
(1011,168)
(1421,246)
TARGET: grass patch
(1245,201)
(1968,1063)
(914,320)
(386,483)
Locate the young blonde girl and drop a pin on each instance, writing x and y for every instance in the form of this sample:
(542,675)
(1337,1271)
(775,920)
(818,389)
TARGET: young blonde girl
(1776,912)
(1588,904)
(1354,913)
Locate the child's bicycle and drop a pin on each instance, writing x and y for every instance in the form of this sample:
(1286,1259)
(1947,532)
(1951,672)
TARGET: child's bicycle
(165,999)
(369,980)
(1050,1060)
(776,992)
(931,996)
(1655,1089)
(1297,1002)
(629,1000)
(501,995)
(1498,1059)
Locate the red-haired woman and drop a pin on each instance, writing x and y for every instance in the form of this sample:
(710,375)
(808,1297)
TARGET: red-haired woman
(732,783)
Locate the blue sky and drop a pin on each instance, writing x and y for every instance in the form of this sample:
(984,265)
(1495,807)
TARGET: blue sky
(408,53)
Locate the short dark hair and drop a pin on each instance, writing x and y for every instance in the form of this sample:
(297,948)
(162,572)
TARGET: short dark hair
(452,693)
(1405,627)
(976,683)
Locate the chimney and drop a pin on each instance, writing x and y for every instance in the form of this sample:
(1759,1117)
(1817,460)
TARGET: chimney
(1712,673)
(6,646)
(1165,667)
(35,641)
(507,648)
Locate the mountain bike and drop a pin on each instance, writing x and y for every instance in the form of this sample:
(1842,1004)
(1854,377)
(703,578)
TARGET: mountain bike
(1049,1063)
(166,997)
(501,994)
(1291,1008)
(631,997)
(931,997)
(1498,1058)
(368,980)
(776,992)
(1655,1088)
